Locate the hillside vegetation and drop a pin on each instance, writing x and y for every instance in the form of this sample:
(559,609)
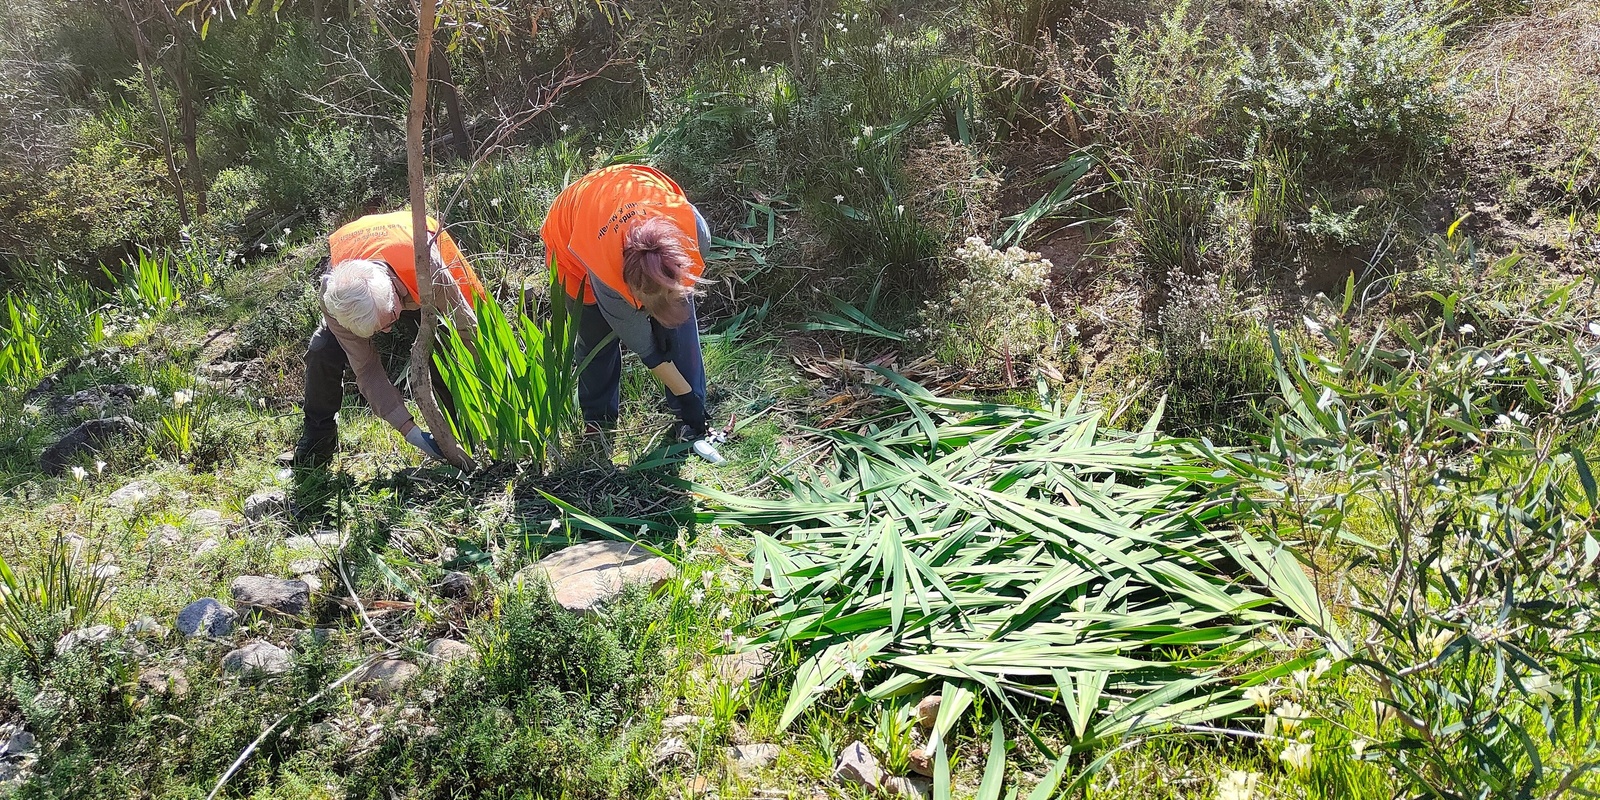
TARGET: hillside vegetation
(1161,399)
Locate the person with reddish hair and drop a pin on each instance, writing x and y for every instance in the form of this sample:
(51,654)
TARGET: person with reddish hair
(631,247)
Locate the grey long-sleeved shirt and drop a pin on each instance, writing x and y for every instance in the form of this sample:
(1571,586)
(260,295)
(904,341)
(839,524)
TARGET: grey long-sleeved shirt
(632,325)
(380,392)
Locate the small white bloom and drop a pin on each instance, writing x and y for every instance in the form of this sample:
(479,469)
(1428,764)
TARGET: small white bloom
(1521,417)
(899,210)
(263,247)
(1290,715)
(565,127)
(861,170)
(1321,667)
(1260,694)
(724,613)
(1543,688)
(554,524)
(838,198)
(285,231)
(1237,785)
(79,473)
(180,398)
(1269,725)
(1358,748)
(1467,330)
(866,130)
(698,597)
(99,467)
(1297,755)
(495,201)
(827,62)
(1312,325)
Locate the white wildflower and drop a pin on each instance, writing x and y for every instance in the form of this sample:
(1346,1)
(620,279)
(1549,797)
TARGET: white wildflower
(1312,325)
(79,473)
(1521,417)
(1290,715)
(285,231)
(1296,755)
(1321,667)
(1540,685)
(181,398)
(827,62)
(1260,694)
(99,467)
(861,170)
(494,201)
(899,210)
(554,524)
(1269,726)
(1237,785)
(724,613)
(866,130)
(1358,748)
(565,127)
(1467,330)
(150,391)
(838,198)
(698,597)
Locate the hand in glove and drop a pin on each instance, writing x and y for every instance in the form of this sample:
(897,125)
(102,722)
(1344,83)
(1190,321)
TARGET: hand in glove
(422,440)
(692,413)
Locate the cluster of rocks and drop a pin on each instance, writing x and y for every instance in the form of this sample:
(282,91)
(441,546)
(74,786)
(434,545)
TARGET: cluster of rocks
(857,766)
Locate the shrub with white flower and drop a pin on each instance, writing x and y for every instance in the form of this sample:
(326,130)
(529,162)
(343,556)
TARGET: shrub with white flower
(1237,785)
(987,317)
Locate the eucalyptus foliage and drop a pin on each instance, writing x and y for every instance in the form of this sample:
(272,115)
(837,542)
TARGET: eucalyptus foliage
(1021,554)
(1449,464)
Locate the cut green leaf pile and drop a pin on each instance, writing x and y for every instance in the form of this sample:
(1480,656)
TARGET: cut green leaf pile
(1027,555)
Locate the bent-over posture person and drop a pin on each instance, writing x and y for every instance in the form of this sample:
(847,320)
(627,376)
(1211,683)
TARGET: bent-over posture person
(372,284)
(631,246)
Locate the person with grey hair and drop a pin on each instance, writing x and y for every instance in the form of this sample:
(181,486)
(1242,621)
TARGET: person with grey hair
(373,284)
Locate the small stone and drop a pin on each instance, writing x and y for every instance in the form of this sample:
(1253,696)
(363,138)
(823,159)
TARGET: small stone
(20,743)
(382,679)
(585,576)
(857,766)
(306,566)
(145,626)
(91,635)
(257,659)
(262,505)
(682,723)
(283,596)
(752,758)
(743,669)
(672,751)
(91,437)
(132,495)
(99,399)
(448,650)
(168,535)
(206,519)
(912,788)
(206,617)
(325,541)
(921,763)
(168,683)
(106,571)
(205,547)
(698,786)
(455,584)
(928,710)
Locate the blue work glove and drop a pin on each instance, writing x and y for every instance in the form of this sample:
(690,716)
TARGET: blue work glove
(422,440)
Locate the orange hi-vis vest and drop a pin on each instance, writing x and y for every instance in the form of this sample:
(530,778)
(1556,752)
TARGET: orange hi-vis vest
(589,220)
(387,238)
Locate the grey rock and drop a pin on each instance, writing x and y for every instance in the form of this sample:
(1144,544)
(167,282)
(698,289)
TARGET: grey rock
(91,437)
(748,759)
(257,659)
(682,723)
(447,650)
(98,399)
(206,519)
(928,710)
(168,683)
(167,535)
(585,576)
(270,503)
(857,766)
(312,582)
(742,669)
(283,596)
(326,541)
(672,751)
(455,584)
(382,679)
(91,635)
(20,743)
(306,566)
(206,617)
(105,571)
(132,495)
(914,787)
(206,546)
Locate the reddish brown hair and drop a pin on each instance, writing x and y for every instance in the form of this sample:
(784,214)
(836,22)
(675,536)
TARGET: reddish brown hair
(655,265)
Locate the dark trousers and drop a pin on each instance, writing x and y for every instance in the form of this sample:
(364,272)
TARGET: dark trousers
(600,383)
(326,363)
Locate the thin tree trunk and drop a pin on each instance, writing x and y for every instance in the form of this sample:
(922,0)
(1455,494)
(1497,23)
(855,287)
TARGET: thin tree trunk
(451,96)
(187,113)
(421,242)
(142,47)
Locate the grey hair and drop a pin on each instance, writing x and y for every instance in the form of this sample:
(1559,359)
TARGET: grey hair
(358,294)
